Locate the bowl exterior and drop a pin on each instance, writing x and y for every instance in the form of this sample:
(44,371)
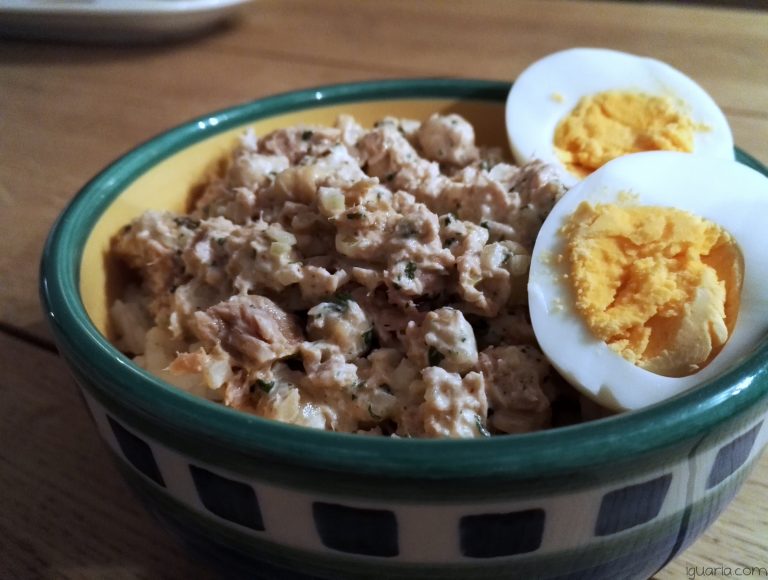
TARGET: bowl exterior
(285,503)
(254,518)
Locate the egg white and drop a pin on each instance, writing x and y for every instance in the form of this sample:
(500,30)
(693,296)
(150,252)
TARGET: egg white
(548,90)
(729,194)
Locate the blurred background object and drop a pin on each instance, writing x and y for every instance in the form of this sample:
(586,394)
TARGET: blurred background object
(113,20)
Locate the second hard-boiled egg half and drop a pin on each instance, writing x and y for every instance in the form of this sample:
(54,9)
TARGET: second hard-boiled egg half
(580,108)
(651,276)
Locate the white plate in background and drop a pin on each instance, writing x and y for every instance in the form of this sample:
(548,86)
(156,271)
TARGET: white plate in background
(111,20)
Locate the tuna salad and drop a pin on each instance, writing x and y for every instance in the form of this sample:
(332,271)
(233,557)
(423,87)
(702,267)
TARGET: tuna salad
(357,280)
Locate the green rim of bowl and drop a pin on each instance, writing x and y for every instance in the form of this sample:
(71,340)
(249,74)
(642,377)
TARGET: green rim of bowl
(679,421)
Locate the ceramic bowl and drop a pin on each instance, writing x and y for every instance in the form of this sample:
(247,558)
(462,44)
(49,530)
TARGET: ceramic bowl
(614,498)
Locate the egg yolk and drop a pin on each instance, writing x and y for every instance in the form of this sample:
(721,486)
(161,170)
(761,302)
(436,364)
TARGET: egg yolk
(659,285)
(607,125)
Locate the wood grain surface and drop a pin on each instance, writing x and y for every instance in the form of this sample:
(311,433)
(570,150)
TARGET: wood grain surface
(68,109)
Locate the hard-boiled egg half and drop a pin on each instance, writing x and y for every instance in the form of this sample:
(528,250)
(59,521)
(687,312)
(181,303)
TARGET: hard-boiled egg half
(580,108)
(650,276)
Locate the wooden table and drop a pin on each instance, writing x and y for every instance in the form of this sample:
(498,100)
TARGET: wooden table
(66,110)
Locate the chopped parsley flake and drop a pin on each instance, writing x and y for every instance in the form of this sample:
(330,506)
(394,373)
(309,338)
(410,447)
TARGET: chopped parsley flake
(390,176)
(341,298)
(406,229)
(354,215)
(434,356)
(484,224)
(220,241)
(482,429)
(410,270)
(265,386)
(339,302)
(187,222)
(306,135)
